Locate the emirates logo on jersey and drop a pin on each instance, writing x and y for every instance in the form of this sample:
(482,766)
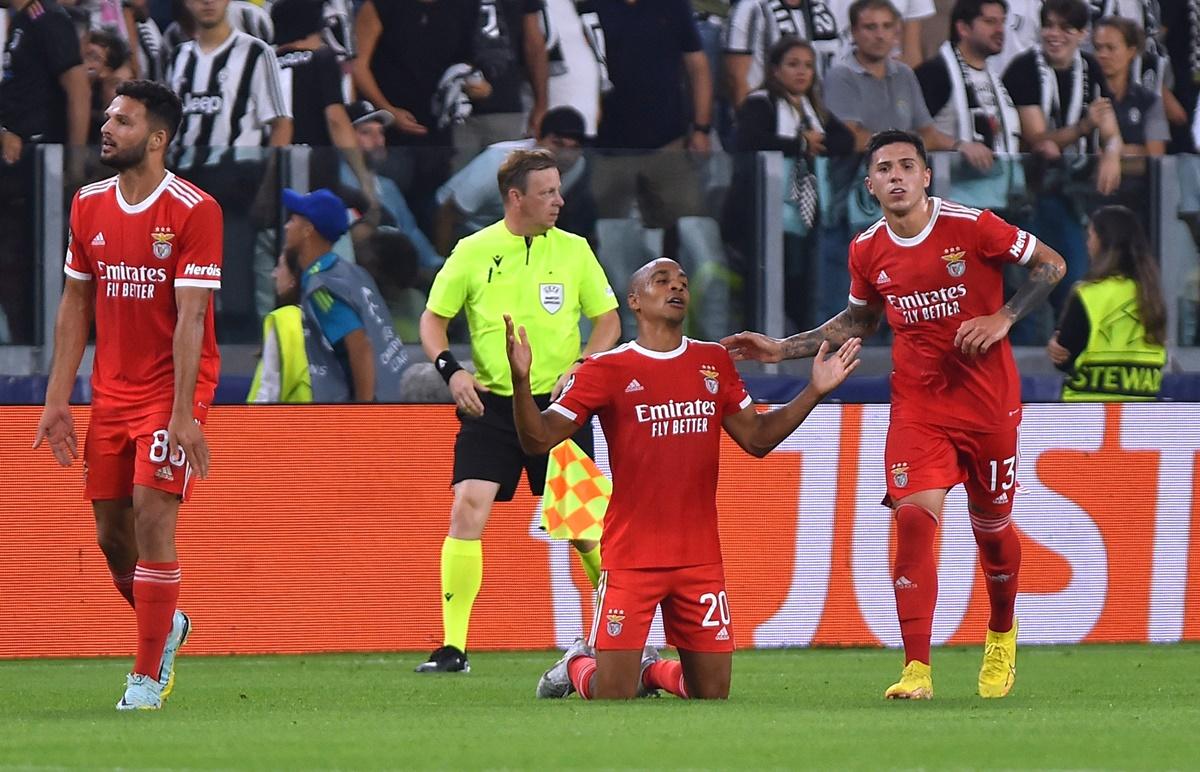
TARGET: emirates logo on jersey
(956,261)
(161,242)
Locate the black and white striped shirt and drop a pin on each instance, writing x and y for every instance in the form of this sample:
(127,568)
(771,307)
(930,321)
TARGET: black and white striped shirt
(229,94)
(755,25)
(338,33)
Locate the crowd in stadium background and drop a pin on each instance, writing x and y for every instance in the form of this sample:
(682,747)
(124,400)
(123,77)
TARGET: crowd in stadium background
(656,110)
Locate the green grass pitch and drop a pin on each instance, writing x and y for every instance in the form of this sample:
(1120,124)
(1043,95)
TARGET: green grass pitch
(1078,707)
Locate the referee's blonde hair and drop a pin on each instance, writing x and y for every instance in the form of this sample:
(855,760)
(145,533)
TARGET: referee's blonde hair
(514,172)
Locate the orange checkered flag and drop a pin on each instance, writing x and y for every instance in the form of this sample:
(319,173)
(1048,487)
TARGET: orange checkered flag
(576,495)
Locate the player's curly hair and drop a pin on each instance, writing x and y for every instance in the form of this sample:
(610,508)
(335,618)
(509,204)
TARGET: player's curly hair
(162,104)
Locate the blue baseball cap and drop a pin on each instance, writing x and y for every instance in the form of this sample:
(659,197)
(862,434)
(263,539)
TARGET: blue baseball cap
(322,208)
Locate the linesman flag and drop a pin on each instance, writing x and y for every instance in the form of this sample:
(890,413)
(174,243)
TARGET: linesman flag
(576,495)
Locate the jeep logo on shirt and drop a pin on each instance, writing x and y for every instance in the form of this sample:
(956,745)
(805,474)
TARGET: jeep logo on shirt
(552,297)
(202,104)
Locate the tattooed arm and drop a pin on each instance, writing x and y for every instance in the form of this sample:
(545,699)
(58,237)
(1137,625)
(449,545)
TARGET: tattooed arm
(855,322)
(1046,269)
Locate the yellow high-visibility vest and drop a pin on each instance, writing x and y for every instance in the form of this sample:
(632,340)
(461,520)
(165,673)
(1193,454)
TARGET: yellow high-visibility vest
(287,327)
(1119,364)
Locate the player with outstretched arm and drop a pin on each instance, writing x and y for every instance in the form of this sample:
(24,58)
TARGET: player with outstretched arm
(936,269)
(662,401)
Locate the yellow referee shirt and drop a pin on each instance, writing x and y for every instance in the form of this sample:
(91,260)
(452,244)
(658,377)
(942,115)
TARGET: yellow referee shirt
(544,282)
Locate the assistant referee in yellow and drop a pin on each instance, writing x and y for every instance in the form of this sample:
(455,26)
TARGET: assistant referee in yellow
(544,278)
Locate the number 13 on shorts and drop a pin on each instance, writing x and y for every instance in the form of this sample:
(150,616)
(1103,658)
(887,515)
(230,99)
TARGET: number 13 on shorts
(1003,474)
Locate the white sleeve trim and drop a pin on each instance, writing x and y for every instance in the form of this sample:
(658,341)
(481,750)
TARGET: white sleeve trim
(1028,253)
(567,413)
(746,402)
(202,283)
(857,301)
(69,271)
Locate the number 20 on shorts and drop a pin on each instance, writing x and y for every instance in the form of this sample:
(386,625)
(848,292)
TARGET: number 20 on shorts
(718,606)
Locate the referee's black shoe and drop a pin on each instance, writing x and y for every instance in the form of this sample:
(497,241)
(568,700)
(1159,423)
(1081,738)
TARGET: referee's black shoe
(445,659)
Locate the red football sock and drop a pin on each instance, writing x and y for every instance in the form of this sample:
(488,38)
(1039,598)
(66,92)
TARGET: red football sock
(666,674)
(124,584)
(914,578)
(581,670)
(1000,558)
(156,589)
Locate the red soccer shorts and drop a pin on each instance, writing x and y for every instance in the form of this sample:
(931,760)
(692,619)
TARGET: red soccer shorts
(921,457)
(695,609)
(125,448)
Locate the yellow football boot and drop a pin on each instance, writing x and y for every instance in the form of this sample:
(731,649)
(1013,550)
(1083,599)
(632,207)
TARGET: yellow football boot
(916,683)
(999,670)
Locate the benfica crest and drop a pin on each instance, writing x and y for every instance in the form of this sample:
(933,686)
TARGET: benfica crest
(900,475)
(616,619)
(162,242)
(956,261)
(710,378)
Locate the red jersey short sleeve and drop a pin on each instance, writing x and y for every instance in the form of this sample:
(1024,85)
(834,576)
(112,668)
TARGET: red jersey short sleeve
(1000,240)
(585,392)
(862,291)
(138,254)
(199,263)
(733,390)
(76,264)
(930,284)
(661,413)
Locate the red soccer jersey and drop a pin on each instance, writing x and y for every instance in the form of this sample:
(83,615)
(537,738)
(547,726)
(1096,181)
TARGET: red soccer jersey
(137,255)
(661,413)
(930,284)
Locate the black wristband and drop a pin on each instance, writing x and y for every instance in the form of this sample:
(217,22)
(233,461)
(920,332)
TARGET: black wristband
(703,128)
(446,365)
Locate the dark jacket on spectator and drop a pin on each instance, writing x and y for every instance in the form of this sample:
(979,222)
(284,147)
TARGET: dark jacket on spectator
(766,122)
(42,45)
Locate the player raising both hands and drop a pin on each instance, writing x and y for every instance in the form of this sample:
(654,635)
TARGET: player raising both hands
(662,401)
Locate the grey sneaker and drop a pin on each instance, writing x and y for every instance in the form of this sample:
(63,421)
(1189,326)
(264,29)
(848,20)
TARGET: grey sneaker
(555,683)
(650,655)
(181,625)
(141,693)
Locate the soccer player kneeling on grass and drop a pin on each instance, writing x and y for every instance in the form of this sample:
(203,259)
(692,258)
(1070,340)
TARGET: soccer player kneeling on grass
(662,401)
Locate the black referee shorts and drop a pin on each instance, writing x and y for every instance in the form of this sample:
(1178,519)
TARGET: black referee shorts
(487,448)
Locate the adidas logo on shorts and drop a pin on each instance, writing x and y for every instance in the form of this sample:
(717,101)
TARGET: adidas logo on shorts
(1001,499)
(723,634)
(164,473)
(904,583)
